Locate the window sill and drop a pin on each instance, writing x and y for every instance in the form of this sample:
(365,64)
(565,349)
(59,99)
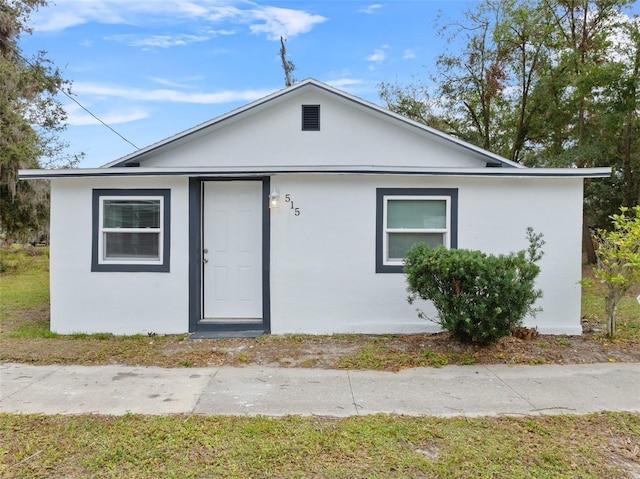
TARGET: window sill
(389,268)
(131,268)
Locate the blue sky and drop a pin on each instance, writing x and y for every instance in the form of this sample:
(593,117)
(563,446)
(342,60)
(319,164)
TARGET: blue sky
(153,68)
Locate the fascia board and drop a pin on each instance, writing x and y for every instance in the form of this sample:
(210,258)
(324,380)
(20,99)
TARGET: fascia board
(321,169)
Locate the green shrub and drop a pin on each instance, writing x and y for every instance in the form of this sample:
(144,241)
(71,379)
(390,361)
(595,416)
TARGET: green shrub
(479,297)
(619,261)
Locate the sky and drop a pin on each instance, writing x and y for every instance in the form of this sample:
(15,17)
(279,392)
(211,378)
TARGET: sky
(153,68)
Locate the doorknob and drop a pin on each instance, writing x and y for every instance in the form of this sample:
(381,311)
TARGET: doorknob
(205,260)
(204,251)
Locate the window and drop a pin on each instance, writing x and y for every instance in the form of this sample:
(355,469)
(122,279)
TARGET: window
(406,216)
(310,117)
(131,230)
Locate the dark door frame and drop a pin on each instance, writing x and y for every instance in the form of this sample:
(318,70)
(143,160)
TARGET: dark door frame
(195,263)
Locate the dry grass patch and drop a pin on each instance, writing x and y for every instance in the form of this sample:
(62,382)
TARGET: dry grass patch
(132,446)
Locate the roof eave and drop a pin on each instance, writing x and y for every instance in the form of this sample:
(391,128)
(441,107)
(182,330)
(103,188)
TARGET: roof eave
(321,169)
(202,126)
(489,157)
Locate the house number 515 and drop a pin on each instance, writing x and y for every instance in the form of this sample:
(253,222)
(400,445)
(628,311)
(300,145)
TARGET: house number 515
(288,199)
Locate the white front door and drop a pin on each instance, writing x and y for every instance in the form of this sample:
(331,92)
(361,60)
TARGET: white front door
(232,250)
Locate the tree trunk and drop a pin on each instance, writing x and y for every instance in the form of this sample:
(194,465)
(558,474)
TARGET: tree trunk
(610,306)
(626,163)
(611,309)
(587,243)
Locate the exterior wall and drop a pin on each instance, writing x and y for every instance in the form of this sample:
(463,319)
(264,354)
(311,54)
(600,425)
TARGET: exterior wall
(348,136)
(119,303)
(323,277)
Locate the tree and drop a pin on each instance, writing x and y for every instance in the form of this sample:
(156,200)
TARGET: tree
(287,65)
(523,32)
(30,120)
(592,92)
(550,83)
(470,82)
(619,261)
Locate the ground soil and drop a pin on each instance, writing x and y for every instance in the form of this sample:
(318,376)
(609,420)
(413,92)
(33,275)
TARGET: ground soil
(388,352)
(395,351)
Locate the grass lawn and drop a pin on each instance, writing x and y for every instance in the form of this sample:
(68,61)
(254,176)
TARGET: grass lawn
(134,446)
(595,446)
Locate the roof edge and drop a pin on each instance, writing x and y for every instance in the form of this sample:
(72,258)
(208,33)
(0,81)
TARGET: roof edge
(322,169)
(491,157)
(208,123)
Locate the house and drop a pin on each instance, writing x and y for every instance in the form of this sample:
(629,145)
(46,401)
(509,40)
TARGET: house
(292,215)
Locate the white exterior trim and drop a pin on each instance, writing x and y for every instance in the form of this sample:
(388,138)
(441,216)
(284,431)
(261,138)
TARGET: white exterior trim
(244,171)
(102,231)
(386,231)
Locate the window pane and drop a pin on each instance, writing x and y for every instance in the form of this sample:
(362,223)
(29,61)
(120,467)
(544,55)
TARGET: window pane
(132,245)
(416,214)
(399,243)
(131,214)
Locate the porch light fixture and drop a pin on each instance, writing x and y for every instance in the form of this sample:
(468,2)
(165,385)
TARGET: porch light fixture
(274,198)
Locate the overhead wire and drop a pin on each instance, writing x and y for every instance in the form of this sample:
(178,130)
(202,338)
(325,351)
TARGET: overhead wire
(96,117)
(78,103)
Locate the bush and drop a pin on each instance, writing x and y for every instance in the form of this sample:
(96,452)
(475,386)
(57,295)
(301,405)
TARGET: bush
(479,297)
(619,261)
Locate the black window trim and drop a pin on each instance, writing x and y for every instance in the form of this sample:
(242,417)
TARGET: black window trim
(166,233)
(452,193)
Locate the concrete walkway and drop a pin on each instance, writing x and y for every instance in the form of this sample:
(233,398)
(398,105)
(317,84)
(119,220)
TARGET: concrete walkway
(450,391)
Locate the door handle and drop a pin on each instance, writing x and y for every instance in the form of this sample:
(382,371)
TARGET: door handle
(204,251)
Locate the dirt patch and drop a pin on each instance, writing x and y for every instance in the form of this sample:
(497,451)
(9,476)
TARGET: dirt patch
(395,352)
(388,352)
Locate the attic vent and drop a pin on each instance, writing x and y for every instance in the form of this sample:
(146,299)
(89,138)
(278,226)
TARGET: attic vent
(310,117)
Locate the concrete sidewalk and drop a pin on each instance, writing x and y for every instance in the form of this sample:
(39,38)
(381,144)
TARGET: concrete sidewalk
(450,391)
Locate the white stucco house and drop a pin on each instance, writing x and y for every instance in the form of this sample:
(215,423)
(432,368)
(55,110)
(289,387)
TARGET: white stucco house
(292,215)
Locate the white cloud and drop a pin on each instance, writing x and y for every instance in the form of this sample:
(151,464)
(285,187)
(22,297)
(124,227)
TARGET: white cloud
(78,117)
(170,83)
(272,21)
(371,8)
(221,13)
(408,54)
(158,41)
(355,86)
(58,21)
(344,82)
(284,22)
(190,8)
(378,56)
(70,13)
(216,33)
(169,95)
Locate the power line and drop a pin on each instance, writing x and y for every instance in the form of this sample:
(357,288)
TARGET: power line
(94,116)
(77,102)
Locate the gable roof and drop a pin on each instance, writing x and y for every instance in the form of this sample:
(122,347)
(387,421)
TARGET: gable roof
(139,156)
(122,166)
